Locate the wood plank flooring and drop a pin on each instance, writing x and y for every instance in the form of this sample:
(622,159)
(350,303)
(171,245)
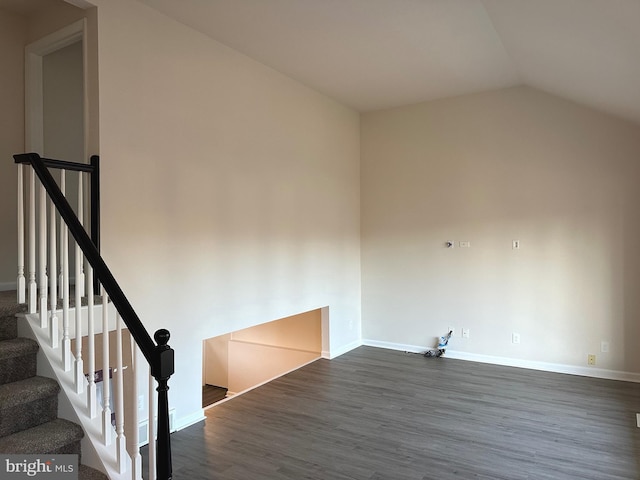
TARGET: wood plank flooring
(212,394)
(380,414)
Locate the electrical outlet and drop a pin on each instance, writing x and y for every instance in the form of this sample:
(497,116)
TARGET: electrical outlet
(465,333)
(515,244)
(591,359)
(465,244)
(604,346)
(453,331)
(515,337)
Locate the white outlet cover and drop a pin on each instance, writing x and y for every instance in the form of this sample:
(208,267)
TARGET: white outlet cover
(465,333)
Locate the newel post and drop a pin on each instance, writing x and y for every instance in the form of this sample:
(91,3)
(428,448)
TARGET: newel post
(161,370)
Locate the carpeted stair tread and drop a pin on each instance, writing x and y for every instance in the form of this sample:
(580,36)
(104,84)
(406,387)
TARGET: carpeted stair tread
(26,391)
(17,359)
(8,328)
(27,403)
(8,304)
(88,473)
(17,347)
(57,436)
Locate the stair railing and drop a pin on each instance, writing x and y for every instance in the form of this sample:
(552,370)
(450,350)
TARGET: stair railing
(159,355)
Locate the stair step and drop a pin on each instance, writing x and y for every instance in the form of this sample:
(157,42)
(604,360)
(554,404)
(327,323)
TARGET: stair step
(8,327)
(88,473)
(9,306)
(17,359)
(27,403)
(57,436)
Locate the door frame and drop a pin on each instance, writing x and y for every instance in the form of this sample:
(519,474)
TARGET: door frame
(34,95)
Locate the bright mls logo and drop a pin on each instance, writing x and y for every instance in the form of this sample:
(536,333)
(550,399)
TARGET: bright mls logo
(51,467)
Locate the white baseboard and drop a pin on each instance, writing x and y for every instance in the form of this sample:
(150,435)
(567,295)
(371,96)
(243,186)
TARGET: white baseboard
(394,346)
(342,350)
(515,362)
(189,420)
(7,286)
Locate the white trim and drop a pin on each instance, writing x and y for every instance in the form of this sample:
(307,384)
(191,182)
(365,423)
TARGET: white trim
(34,130)
(344,349)
(83,4)
(516,362)
(195,417)
(394,346)
(7,286)
(143,425)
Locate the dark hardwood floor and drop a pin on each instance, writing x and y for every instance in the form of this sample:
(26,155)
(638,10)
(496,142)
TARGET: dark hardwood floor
(381,414)
(212,394)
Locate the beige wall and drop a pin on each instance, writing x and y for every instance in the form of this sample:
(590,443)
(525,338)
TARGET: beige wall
(12,40)
(252,364)
(300,332)
(215,370)
(251,356)
(230,192)
(58,14)
(491,168)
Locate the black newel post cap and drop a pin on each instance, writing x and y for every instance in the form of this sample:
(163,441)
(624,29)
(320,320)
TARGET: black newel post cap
(162,337)
(163,365)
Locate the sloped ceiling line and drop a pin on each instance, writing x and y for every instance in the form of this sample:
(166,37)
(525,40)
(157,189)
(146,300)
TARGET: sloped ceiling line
(377,54)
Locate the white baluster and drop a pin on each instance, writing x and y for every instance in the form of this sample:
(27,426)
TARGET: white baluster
(42,255)
(63,189)
(66,342)
(121,441)
(152,427)
(106,381)
(80,283)
(91,351)
(33,293)
(136,459)
(53,287)
(79,366)
(20,282)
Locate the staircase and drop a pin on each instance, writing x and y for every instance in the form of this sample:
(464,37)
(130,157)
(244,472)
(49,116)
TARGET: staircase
(43,280)
(29,422)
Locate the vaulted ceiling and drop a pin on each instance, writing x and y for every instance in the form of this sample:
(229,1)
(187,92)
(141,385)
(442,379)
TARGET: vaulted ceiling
(375,54)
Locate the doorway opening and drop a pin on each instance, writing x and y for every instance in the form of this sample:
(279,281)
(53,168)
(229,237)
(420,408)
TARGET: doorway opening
(242,360)
(56,94)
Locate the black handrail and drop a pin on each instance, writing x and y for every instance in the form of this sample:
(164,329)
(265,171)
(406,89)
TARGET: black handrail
(159,355)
